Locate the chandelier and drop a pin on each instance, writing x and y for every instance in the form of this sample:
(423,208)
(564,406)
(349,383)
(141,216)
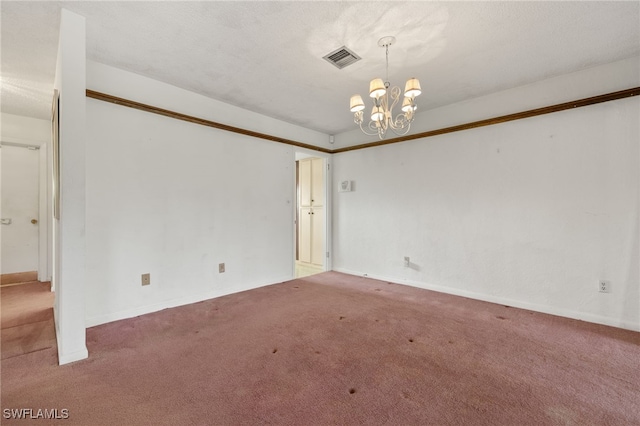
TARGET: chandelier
(384,100)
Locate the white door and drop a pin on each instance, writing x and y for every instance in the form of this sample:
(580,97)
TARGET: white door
(317,236)
(304,180)
(19,209)
(305,235)
(317,182)
(311,211)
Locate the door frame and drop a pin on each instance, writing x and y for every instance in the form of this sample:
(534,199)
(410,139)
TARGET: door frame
(300,154)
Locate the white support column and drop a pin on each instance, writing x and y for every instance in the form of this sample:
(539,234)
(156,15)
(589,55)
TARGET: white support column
(69,232)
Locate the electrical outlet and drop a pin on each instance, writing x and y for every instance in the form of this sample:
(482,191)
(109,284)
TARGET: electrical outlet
(146,279)
(604,286)
(407,262)
(220,268)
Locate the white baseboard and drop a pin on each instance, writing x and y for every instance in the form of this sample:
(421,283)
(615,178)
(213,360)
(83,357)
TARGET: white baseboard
(172,303)
(72,357)
(583,316)
(66,358)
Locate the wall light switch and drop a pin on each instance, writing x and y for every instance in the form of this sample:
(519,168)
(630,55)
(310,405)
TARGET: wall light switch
(220,268)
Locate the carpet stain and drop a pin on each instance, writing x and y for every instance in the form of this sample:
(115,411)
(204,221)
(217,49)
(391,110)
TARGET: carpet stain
(562,415)
(377,289)
(411,340)
(274,351)
(295,286)
(501,317)
(341,318)
(240,386)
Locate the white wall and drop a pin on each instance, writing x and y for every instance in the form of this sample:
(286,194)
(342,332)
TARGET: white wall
(175,199)
(69,231)
(152,92)
(20,130)
(534,225)
(530,213)
(607,78)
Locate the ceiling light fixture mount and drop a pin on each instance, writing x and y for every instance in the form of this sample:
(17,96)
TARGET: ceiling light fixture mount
(385,99)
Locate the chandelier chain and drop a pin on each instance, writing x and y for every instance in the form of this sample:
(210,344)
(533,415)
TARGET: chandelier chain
(386,82)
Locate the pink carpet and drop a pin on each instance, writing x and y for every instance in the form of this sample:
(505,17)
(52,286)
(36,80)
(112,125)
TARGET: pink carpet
(337,349)
(27,318)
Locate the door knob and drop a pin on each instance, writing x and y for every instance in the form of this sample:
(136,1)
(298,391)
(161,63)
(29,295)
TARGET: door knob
(34,221)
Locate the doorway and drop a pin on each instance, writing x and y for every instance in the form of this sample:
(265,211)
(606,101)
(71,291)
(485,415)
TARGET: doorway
(20,208)
(311,254)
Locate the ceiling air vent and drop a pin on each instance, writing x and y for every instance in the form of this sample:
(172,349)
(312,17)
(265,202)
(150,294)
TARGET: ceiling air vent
(342,57)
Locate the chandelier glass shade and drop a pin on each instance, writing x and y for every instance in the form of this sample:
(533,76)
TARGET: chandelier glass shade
(385,98)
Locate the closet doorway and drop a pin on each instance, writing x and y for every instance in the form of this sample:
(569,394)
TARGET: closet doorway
(311,208)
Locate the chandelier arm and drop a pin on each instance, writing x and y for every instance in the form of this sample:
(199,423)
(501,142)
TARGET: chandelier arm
(401,131)
(358,118)
(395,96)
(384,102)
(378,127)
(404,119)
(375,133)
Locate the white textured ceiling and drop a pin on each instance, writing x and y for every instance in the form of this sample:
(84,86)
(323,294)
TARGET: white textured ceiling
(266,56)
